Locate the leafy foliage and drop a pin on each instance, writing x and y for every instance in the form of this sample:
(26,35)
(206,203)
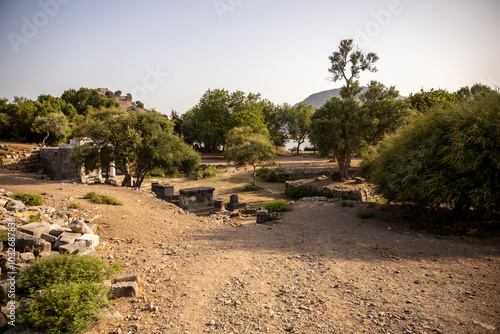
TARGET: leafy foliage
(54,123)
(299,122)
(86,98)
(101,199)
(29,199)
(278,205)
(67,307)
(209,171)
(44,272)
(425,100)
(446,156)
(248,148)
(347,64)
(340,127)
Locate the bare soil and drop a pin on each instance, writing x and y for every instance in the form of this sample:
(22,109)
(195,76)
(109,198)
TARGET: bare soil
(320,269)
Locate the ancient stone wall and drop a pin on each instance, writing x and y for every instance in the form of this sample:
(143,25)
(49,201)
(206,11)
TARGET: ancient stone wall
(57,164)
(361,195)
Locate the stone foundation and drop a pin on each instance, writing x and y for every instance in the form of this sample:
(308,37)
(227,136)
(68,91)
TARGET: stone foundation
(57,164)
(361,195)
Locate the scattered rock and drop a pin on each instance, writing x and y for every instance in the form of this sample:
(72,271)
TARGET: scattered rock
(125,289)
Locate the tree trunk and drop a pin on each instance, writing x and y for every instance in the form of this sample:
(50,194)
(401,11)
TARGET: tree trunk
(44,139)
(254,176)
(128,177)
(344,161)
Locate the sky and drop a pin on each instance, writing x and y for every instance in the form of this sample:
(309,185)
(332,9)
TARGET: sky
(167,53)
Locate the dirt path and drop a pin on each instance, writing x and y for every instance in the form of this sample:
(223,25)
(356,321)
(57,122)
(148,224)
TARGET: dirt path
(320,270)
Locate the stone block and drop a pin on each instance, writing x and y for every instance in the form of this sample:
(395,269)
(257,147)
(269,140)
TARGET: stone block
(196,198)
(36,229)
(73,248)
(88,251)
(126,278)
(66,238)
(93,228)
(219,204)
(125,289)
(56,232)
(79,226)
(28,243)
(91,240)
(26,257)
(14,205)
(49,238)
(110,182)
(49,254)
(262,216)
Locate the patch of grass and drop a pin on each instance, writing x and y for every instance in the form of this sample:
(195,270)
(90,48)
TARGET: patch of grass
(35,218)
(29,199)
(74,205)
(66,307)
(73,296)
(365,213)
(4,235)
(102,199)
(349,204)
(278,205)
(207,172)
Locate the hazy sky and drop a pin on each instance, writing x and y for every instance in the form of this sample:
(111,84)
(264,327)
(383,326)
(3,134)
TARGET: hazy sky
(167,53)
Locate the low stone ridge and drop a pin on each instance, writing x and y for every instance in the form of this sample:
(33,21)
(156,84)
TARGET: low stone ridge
(125,289)
(361,195)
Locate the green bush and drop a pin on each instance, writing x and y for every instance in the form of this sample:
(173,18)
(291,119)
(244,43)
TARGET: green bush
(278,205)
(349,204)
(101,199)
(42,273)
(74,205)
(207,172)
(365,213)
(73,296)
(67,307)
(29,199)
(446,156)
(300,192)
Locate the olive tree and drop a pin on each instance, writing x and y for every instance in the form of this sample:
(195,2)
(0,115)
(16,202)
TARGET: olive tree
(246,148)
(53,123)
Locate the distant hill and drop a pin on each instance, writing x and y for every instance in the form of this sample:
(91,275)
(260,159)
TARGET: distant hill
(126,105)
(319,99)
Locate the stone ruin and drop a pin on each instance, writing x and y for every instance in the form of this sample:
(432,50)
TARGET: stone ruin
(199,200)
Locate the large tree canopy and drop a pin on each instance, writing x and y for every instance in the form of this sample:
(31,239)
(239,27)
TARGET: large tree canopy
(137,142)
(341,127)
(218,112)
(299,122)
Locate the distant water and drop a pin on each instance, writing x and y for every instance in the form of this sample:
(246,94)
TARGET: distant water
(293,144)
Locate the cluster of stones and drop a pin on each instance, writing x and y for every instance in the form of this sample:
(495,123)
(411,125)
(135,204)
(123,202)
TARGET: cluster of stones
(22,161)
(300,175)
(361,195)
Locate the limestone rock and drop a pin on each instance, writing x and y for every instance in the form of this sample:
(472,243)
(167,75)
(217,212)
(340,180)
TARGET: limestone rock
(13,205)
(36,229)
(79,226)
(66,238)
(73,248)
(125,289)
(91,240)
(26,242)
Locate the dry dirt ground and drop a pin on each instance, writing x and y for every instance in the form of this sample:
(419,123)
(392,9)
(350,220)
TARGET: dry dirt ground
(321,269)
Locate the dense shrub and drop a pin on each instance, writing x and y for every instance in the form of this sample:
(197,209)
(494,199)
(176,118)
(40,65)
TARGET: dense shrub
(65,307)
(278,205)
(29,199)
(446,156)
(101,199)
(44,272)
(72,295)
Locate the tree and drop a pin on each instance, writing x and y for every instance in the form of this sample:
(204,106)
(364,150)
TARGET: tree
(54,123)
(341,127)
(275,118)
(137,142)
(219,111)
(445,156)
(118,93)
(476,91)
(425,100)
(382,105)
(299,122)
(86,98)
(109,94)
(246,147)
(129,97)
(139,104)
(347,64)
